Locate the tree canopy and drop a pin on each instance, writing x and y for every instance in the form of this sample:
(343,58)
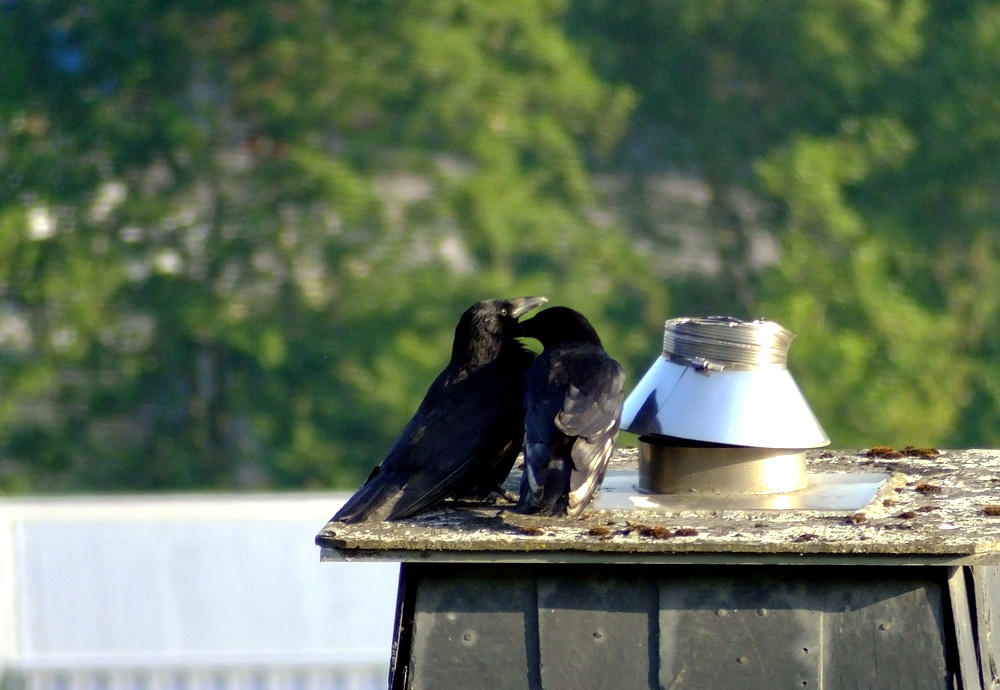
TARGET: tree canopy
(235,238)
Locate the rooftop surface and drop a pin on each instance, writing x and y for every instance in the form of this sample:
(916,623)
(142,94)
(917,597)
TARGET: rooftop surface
(934,507)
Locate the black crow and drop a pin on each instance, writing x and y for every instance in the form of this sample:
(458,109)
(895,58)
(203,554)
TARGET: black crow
(572,409)
(467,431)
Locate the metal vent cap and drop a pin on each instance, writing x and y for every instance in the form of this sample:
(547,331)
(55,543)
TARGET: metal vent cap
(723,380)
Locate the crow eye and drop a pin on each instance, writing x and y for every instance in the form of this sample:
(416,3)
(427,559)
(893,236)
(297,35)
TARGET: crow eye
(503,311)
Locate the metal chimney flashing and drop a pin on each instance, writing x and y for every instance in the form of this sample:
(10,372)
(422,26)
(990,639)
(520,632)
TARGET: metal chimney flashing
(721,380)
(718,412)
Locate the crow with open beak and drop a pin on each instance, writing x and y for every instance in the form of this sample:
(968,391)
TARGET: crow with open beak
(467,431)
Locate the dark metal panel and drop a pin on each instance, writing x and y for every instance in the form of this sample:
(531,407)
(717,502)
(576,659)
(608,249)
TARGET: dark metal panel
(475,627)
(597,627)
(744,629)
(838,628)
(884,628)
(402,633)
(835,629)
(986,588)
(961,629)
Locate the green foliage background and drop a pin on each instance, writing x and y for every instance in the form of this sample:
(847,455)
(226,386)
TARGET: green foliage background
(235,237)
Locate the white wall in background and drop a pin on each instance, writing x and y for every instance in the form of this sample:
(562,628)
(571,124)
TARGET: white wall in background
(187,592)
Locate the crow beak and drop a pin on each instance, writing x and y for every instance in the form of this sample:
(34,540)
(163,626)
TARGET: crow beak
(520,306)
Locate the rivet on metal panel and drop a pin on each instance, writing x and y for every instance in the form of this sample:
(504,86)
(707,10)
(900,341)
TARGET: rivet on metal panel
(742,660)
(720,613)
(598,635)
(469,638)
(761,612)
(884,626)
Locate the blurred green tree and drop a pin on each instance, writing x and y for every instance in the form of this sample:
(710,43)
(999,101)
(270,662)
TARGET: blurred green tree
(859,136)
(235,238)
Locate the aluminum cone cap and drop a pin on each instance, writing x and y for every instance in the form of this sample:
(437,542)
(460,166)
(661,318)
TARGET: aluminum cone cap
(759,406)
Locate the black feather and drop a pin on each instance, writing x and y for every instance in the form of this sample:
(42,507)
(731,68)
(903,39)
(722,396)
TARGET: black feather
(573,405)
(467,431)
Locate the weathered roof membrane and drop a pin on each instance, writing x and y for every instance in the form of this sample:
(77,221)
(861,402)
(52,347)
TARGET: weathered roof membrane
(942,509)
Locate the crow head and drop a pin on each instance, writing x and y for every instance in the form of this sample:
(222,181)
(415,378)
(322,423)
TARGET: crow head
(487,326)
(559,326)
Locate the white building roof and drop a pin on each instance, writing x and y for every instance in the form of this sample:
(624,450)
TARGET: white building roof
(184,581)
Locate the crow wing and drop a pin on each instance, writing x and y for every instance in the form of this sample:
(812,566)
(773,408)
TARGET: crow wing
(466,429)
(592,416)
(572,414)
